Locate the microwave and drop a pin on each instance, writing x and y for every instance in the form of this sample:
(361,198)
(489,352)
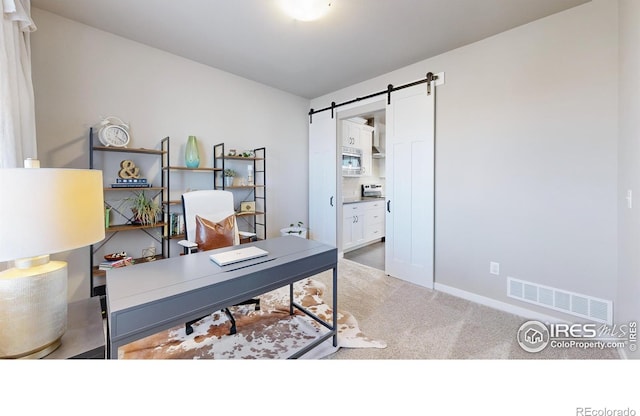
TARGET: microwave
(351,161)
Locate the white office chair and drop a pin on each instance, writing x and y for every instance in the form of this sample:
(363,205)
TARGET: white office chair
(213,205)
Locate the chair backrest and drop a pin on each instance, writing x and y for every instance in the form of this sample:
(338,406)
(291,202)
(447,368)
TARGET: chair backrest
(214,205)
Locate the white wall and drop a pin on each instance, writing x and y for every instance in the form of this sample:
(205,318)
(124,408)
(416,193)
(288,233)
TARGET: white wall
(81,73)
(629,166)
(526,155)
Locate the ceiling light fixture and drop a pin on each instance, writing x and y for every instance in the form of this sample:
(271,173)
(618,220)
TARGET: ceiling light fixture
(305,10)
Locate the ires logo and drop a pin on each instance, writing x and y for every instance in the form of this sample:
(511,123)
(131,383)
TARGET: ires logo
(534,336)
(571,331)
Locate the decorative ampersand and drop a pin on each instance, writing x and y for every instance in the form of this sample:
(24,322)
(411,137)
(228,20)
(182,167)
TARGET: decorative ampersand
(129,170)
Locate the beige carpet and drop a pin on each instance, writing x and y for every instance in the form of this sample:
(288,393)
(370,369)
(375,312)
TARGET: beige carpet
(418,323)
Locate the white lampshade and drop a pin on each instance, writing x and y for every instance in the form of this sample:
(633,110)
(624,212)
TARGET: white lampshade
(45,211)
(42,211)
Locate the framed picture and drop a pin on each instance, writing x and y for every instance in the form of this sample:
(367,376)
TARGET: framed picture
(248,206)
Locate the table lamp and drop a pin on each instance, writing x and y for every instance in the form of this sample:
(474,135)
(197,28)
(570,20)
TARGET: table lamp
(42,211)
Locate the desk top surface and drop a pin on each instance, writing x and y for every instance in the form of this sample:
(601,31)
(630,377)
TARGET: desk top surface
(160,279)
(85,336)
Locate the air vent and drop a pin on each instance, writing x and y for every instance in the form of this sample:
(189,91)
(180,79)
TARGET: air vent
(595,309)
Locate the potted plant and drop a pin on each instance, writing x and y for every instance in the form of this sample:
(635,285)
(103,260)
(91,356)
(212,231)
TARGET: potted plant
(145,210)
(296,229)
(228,177)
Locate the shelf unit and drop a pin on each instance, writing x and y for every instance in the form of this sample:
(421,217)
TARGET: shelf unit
(256,222)
(97,288)
(167,202)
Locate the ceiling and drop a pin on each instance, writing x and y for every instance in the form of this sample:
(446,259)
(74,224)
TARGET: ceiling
(356,41)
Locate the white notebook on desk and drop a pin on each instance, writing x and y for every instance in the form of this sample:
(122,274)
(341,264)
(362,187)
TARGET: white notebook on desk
(237,255)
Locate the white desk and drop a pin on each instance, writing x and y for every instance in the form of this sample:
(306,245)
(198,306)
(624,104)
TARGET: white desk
(151,297)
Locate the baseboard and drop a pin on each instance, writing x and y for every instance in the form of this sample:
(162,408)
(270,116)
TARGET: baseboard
(496,304)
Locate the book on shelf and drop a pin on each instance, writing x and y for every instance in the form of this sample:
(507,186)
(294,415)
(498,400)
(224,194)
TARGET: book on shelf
(131,185)
(131,180)
(176,224)
(108,265)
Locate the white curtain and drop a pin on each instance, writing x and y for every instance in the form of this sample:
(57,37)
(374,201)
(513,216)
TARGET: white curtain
(17,109)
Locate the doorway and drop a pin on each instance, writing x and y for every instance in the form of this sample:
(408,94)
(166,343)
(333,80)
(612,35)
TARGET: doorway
(408,206)
(363,225)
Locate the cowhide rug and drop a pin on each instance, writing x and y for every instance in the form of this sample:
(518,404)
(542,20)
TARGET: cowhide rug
(265,334)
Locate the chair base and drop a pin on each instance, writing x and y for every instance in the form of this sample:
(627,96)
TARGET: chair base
(189,328)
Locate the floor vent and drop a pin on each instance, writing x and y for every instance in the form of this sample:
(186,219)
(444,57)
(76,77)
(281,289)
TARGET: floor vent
(598,310)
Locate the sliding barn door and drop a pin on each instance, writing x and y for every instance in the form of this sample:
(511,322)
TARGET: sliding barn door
(323,179)
(409,249)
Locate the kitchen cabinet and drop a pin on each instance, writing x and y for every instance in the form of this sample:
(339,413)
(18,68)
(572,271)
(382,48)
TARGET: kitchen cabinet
(352,226)
(366,143)
(350,134)
(373,220)
(362,223)
(360,136)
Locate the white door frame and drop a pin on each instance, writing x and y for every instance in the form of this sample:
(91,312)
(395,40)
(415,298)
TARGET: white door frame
(350,112)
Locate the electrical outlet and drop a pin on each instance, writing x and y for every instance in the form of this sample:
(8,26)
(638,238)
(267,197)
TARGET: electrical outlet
(494,268)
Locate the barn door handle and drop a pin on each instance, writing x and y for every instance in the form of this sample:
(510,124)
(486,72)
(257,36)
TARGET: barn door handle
(331,201)
(389,206)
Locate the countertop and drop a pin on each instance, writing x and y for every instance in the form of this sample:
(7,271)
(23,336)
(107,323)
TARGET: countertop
(354,199)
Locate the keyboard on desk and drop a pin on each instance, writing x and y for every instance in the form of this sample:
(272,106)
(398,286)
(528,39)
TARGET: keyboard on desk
(237,255)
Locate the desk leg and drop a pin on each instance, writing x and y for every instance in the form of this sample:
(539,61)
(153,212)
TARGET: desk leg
(291,299)
(335,306)
(108,355)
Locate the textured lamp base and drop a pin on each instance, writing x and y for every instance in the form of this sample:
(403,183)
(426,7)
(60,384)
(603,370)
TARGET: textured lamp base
(41,352)
(33,309)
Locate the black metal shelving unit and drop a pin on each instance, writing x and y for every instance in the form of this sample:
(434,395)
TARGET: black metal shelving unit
(256,192)
(167,202)
(112,230)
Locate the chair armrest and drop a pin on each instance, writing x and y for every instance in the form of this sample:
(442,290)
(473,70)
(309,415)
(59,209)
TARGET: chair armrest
(188,246)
